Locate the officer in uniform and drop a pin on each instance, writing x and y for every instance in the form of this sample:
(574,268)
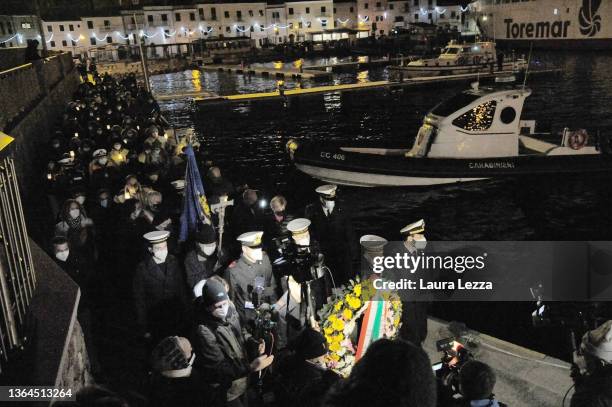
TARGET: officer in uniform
(250,277)
(372,246)
(414,313)
(333,230)
(203,260)
(160,291)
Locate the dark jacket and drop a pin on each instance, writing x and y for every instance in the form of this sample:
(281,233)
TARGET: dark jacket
(190,391)
(197,270)
(594,390)
(160,297)
(302,384)
(275,232)
(222,354)
(336,239)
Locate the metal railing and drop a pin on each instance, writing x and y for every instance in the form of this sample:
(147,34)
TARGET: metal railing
(17,275)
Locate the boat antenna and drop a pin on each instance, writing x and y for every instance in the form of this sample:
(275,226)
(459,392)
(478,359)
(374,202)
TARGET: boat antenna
(528,65)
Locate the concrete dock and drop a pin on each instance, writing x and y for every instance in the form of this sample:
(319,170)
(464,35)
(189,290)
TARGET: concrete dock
(412,82)
(524,377)
(270,71)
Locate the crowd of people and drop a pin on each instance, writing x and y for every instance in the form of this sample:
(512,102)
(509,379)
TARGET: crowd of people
(115,183)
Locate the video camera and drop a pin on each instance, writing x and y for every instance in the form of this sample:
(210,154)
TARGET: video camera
(455,355)
(299,262)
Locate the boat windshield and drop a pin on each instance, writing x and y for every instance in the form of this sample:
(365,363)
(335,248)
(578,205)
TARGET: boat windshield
(451,51)
(454,103)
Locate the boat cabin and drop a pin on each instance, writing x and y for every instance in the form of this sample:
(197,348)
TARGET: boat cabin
(480,122)
(462,54)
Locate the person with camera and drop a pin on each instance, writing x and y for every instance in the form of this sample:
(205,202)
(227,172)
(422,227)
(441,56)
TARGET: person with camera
(303,377)
(275,227)
(222,353)
(250,278)
(594,381)
(476,383)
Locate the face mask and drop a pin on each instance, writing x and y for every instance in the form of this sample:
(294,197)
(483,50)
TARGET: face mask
(221,313)
(56,145)
(255,254)
(303,240)
(80,199)
(103,161)
(280,214)
(153,178)
(329,205)
(159,256)
(63,255)
(207,248)
(104,203)
(74,213)
(117,147)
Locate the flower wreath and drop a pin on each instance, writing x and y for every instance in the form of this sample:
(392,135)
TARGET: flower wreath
(340,315)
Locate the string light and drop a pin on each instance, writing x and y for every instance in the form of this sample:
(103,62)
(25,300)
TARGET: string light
(440,12)
(7,40)
(463,10)
(75,40)
(424,12)
(343,22)
(121,36)
(364,19)
(98,39)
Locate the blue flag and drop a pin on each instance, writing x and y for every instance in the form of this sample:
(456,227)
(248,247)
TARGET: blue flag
(195,206)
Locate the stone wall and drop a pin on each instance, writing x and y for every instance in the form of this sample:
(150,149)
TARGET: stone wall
(156,66)
(11,57)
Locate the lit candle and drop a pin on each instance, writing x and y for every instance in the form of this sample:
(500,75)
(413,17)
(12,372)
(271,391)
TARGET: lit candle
(76,134)
(108,126)
(71,153)
(49,176)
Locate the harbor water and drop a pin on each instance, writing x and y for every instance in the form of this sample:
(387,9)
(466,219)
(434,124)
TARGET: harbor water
(247,140)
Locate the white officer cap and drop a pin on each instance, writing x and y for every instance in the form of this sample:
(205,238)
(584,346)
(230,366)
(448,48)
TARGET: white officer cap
(99,153)
(298,226)
(414,228)
(327,191)
(372,242)
(157,236)
(251,239)
(179,184)
(598,342)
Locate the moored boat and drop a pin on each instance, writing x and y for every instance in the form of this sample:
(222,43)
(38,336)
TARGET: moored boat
(475,135)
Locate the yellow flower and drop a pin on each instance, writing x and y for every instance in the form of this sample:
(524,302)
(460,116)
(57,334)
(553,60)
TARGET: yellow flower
(328,331)
(334,357)
(347,314)
(332,318)
(354,303)
(328,338)
(338,324)
(338,306)
(357,289)
(338,338)
(334,347)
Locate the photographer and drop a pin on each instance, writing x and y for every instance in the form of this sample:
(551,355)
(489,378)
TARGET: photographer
(476,383)
(275,227)
(594,386)
(222,354)
(303,377)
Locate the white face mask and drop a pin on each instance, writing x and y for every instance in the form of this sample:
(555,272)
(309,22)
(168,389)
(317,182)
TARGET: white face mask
(80,199)
(159,255)
(104,203)
(255,254)
(329,205)
(74,213)
(63,255)
(304,240)
(103,161)
(207,248)
(221,313)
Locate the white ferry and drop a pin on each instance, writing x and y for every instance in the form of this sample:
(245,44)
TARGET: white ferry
(545,23)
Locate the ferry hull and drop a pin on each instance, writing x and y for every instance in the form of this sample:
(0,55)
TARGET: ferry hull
(372,170)
(428,71)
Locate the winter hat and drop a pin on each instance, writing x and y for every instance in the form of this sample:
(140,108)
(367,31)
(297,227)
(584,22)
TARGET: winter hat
(598,342)
(213,292)
(206,235)
(310,344)
(171,354)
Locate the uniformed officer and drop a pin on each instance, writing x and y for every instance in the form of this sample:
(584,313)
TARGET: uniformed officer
(202,261)
(414,313)
(334,232)
(250,277)
(160,291)
(372,246)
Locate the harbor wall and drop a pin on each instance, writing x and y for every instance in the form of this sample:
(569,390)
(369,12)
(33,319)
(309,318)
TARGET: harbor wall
(11,57)
(32,99)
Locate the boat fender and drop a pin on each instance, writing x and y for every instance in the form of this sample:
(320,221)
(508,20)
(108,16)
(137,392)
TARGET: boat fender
(578,139)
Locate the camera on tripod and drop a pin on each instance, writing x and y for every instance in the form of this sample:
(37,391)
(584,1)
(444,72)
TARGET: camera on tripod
(455,355)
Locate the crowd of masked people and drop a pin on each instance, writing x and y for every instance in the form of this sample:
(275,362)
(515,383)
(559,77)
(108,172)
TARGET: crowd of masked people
(115,183)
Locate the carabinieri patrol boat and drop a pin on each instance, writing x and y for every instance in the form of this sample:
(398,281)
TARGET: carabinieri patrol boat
(475,135)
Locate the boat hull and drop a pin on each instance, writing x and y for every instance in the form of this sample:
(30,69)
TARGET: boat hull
(372,170)
(427,71)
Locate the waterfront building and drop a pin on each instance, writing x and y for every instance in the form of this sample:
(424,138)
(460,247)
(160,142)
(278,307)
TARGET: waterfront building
(16,30)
